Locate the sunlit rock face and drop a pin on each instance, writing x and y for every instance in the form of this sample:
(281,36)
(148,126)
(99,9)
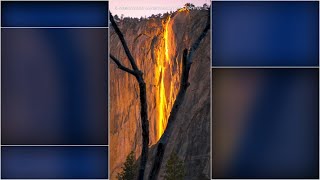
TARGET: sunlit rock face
(157,45)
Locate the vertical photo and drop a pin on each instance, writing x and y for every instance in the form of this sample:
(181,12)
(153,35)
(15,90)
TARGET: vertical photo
(159,81)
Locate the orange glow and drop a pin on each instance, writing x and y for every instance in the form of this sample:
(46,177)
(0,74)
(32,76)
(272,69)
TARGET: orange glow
(184,9)
(162,104)
(166,39)
(165,77)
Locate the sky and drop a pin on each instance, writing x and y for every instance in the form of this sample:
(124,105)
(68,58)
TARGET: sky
(142,8)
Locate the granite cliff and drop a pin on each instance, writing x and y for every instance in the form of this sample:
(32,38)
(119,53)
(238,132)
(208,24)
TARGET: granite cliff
(157,44)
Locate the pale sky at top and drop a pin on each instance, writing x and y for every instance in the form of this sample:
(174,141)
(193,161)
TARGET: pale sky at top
(138,8)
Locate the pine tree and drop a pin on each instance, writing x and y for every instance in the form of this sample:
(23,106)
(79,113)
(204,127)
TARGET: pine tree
(174,168)
(129,169)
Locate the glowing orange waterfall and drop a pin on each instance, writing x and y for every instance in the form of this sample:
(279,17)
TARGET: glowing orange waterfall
(162,106)
(166,39)
(162,64)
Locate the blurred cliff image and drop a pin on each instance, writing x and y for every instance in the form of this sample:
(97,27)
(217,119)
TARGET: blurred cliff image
(160,93)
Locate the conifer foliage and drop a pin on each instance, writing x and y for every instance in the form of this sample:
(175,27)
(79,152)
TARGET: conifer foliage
(174,168)
(129,168)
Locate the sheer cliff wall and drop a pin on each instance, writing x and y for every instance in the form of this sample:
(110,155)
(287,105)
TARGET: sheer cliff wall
(157,45)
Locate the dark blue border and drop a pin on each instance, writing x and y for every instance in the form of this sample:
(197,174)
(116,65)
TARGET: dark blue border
(54,14)
(265,33)
(54,162)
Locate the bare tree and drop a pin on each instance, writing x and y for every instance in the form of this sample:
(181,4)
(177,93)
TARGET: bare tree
(184,84)
(143,97)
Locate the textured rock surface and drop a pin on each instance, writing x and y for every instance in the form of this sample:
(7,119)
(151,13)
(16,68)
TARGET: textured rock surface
(191,137)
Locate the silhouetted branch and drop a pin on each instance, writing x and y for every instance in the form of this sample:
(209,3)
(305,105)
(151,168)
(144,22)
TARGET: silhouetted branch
(196,44)
(143,100)
(173,114)
(120,66)
(124,43)
(184,84)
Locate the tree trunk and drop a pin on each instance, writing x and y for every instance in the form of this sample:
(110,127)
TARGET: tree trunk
(186,65)
(145,126)
(184,84)
(143,97)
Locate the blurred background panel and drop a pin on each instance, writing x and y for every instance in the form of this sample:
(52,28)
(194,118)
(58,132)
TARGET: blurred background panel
(265,123)
(54,86)
(54,14)
(75,162)
(265,33)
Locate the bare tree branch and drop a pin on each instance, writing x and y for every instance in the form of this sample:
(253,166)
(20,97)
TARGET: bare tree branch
(143,101)
(120,66)
(196,44)
(124,43)
(184,84)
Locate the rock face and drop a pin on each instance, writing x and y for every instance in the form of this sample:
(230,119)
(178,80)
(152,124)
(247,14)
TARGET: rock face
(157,45)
